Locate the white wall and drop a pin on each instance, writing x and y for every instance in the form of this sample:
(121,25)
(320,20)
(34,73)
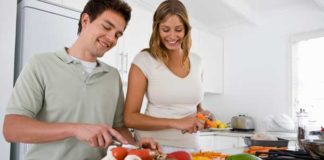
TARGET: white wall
(7,47)
(257,65)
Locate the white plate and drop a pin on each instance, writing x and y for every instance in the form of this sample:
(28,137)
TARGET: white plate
(219,129)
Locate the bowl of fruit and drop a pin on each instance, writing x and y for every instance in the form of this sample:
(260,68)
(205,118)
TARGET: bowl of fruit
(213,124)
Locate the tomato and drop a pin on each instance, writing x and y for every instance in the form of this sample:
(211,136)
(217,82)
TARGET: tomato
(119,153)
(144,154)
(179,155)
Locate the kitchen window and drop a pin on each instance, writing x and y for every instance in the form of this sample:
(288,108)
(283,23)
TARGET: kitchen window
(308,75)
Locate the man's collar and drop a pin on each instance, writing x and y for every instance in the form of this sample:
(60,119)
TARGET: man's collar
(66,58)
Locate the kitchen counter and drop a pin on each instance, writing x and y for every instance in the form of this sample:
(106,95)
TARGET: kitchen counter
(284,135)
(232,142)
(226,133)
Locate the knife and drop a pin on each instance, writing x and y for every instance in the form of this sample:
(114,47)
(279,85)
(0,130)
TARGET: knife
(128,146)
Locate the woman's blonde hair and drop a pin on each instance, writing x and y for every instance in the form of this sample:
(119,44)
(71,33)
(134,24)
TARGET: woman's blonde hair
(165,9)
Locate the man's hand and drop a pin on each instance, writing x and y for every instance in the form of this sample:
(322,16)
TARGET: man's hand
(97,135)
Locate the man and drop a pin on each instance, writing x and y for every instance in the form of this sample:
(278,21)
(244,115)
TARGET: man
(64,103)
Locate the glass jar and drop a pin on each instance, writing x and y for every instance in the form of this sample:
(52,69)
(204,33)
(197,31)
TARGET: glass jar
(302,123)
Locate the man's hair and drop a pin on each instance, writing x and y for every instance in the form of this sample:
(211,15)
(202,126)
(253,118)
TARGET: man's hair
(94,8)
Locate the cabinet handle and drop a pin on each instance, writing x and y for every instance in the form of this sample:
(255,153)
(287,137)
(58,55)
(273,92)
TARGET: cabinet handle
(126,64)
(121,67)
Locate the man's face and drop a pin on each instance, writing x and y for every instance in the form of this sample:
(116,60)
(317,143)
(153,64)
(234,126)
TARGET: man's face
(102,34)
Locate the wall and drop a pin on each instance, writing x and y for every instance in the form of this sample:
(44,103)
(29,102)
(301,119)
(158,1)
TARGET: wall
(257,65)
(7,47)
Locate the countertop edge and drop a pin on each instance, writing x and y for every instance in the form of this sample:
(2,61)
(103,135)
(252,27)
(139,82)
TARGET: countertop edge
(284,135)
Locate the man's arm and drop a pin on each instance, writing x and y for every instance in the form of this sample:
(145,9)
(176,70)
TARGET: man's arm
(18,128)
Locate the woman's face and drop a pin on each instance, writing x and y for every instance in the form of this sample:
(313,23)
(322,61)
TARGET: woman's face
(172,32)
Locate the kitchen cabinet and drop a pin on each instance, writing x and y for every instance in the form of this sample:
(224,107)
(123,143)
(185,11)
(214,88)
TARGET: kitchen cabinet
(214,142)
(240,142)
(220,140)
(195,41)
(225,142)
(210,48)
(206,142)
(135,38)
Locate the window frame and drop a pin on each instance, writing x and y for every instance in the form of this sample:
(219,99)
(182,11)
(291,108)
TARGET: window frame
(294,39)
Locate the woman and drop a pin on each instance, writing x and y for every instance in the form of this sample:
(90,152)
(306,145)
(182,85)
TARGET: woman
(171,80)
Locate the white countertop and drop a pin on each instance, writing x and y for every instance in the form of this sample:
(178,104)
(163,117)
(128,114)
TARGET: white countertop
(283,135)
(240,149)
(226,133)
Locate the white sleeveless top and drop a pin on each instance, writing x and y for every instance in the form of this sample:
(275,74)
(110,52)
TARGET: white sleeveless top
(170,96)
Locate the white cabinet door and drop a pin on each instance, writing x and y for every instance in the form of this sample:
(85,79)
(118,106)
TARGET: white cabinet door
(195,41)
(241,142)
(225,142)
(211,51)
(214,142)
(135,38)
(206,142)
(137,35)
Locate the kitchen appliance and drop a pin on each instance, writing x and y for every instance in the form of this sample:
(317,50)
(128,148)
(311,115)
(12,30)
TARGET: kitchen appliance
(283,155)
(268,143)
(242,123)
(41,27)
(314,147)
(320,134)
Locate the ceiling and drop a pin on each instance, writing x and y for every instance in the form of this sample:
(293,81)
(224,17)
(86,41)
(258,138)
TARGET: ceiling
(218,14)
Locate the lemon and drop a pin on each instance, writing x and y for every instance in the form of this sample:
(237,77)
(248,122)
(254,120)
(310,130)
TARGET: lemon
(222,125)
(218,122)
(243,156)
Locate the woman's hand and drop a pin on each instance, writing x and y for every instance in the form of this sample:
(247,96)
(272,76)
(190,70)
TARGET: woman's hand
(190,124)
(149,143)
(208,115)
